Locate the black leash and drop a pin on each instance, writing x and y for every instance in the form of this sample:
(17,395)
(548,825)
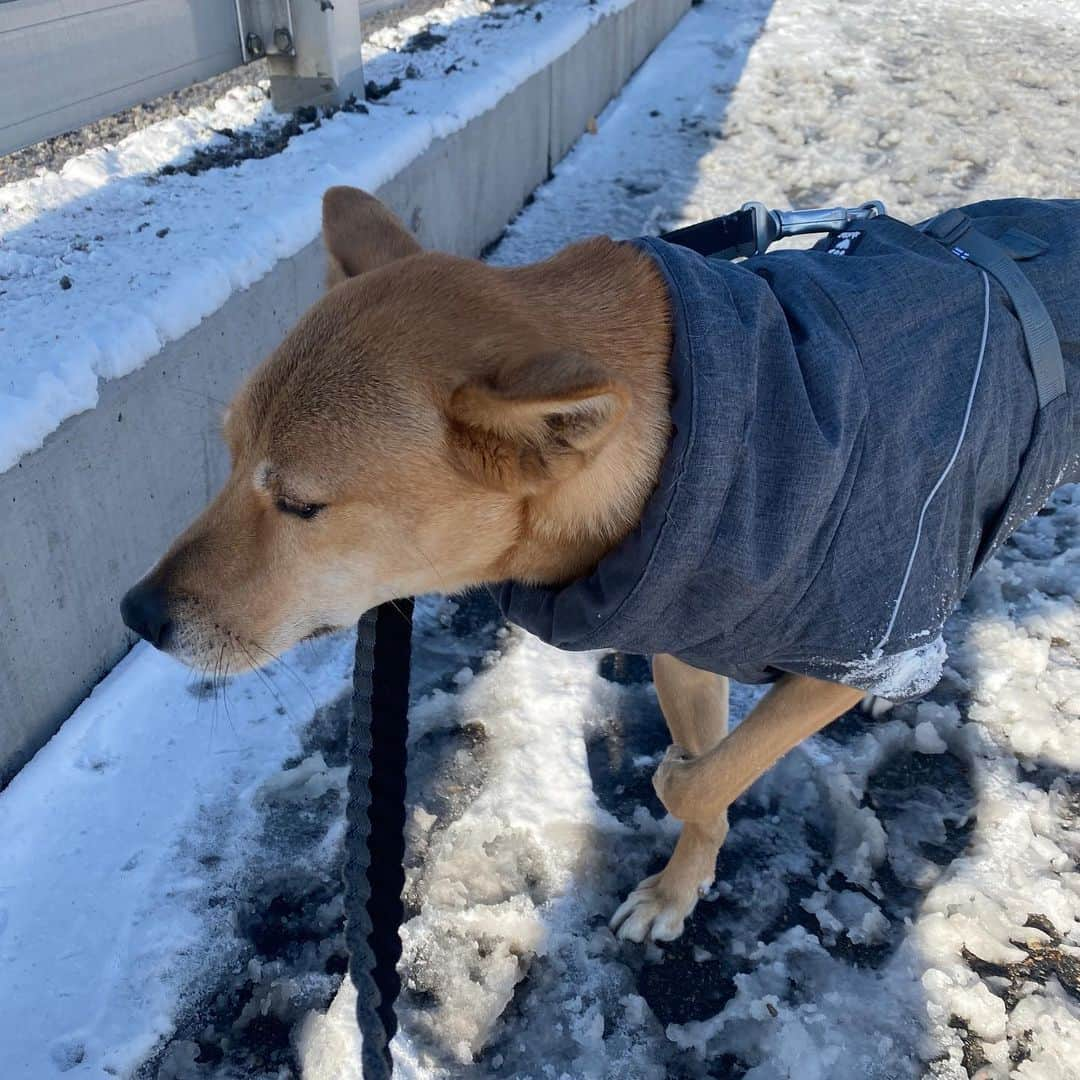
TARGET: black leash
(731,236)
(375,835)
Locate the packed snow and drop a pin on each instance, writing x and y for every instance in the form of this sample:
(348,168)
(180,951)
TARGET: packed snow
(899,897)
(106,260)
(124,839)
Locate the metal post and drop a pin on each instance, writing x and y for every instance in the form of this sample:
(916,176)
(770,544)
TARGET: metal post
(311,46)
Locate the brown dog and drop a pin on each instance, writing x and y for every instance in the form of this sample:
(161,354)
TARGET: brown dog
(434,423)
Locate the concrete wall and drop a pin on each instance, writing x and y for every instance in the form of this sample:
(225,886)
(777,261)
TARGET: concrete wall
(84,516)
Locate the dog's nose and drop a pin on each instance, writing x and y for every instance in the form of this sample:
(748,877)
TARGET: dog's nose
(145,610)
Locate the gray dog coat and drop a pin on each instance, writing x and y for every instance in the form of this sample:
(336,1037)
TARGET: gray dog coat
(855,429)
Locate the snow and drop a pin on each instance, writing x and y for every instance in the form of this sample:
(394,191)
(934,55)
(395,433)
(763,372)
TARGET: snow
(145,256)
(116,837)
(899,897)
(901,675)
(927,739)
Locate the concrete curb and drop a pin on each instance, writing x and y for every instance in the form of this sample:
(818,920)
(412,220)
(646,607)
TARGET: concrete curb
(90,511)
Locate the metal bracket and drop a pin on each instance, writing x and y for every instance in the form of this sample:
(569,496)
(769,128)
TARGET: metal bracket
(312,49)
(266,28)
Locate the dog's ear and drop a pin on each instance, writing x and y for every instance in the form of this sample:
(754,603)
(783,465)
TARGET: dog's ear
(361,234)
(533,423)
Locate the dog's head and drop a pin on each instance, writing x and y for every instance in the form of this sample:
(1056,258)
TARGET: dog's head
(393,444)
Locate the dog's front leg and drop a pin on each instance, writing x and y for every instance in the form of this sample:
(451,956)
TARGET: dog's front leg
(695,706)
(696,787)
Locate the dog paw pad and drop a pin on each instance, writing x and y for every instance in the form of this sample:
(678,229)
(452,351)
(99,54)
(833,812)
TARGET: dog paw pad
(648,914)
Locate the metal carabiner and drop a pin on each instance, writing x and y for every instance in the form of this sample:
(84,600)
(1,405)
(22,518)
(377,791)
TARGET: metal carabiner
(773,225)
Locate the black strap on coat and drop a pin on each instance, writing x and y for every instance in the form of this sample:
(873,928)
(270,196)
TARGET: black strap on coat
(961,235)
(375,834)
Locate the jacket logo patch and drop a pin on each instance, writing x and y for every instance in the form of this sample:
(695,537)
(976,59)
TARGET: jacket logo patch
(844,243)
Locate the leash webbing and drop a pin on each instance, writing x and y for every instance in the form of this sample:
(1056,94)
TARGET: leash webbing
(375,832)
(728,237)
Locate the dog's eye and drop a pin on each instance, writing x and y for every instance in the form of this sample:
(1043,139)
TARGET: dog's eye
(301,510)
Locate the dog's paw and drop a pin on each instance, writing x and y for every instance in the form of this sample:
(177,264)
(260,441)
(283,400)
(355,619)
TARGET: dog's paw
(655,911)
(875,707)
